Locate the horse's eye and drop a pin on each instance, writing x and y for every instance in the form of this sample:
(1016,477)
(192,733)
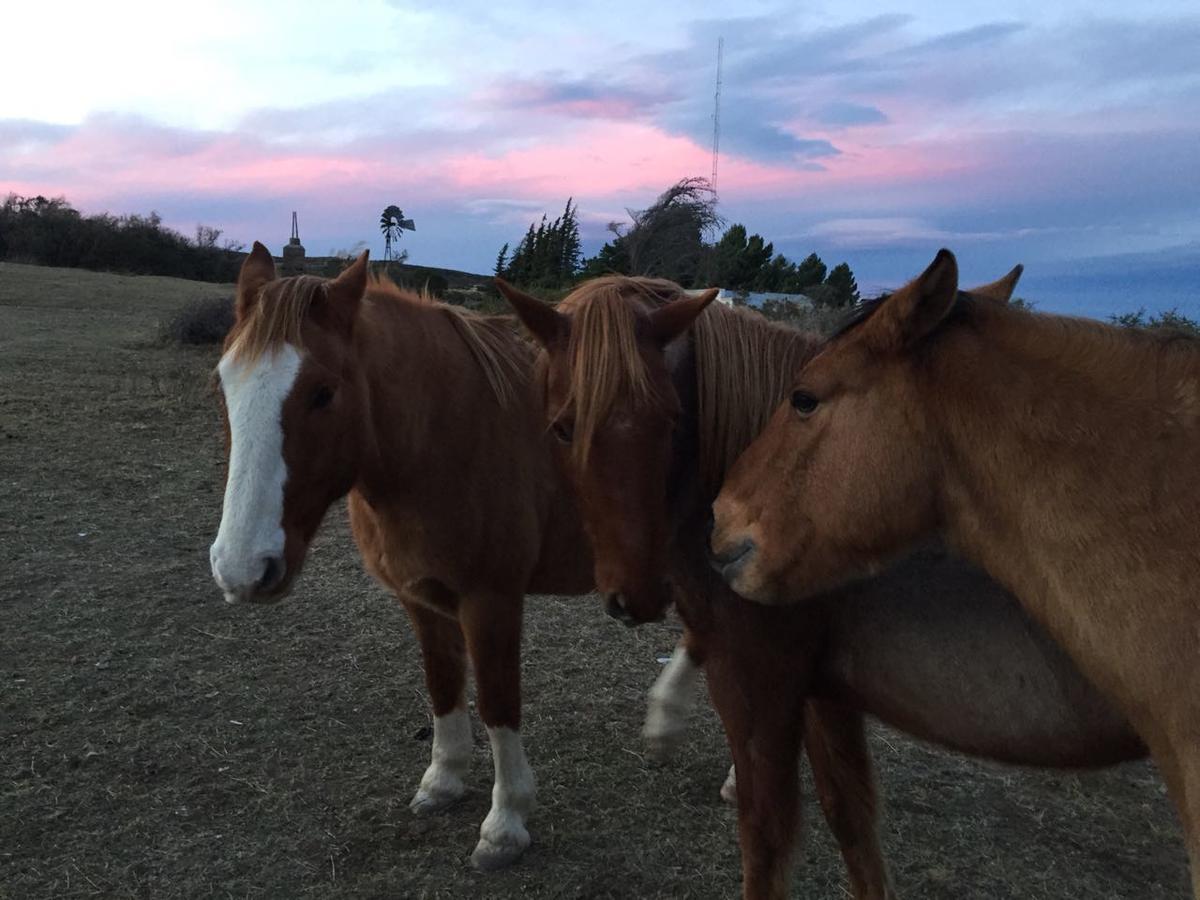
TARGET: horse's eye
(804,403)
(564,431)
(320,398)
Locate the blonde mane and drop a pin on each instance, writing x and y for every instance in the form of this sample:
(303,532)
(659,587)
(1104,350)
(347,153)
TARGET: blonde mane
(603,355)
(744,364)
(494,342)
(277,315)
(274,317)
(745,367)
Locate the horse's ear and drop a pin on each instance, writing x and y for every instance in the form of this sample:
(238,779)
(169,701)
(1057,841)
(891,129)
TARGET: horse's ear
(344,293)
(544,322)
(670,321)
(351,284)
(918,307)
(257,269)
(1001,289)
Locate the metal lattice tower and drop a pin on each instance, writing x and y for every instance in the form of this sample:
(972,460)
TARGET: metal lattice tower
(717,115)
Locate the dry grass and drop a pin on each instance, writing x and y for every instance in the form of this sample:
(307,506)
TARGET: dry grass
(156,742)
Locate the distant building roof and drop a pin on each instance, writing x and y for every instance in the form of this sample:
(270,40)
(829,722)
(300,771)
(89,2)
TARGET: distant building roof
(756,298)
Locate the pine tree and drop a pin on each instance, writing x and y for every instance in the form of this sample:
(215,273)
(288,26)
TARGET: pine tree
(570,247)
(549,254)
(502,261)
(811,271)
(845,288)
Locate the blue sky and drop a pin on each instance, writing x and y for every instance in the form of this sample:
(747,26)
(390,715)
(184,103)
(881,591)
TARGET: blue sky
(1062,135)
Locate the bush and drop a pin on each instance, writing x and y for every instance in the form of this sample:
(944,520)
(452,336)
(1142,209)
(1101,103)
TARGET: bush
(50,232)
(819,320)
(436,285)
(204,321)
(1170,320)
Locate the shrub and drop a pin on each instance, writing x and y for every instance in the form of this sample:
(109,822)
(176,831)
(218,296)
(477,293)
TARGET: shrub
(436,285)
(1170,320)
(204,321)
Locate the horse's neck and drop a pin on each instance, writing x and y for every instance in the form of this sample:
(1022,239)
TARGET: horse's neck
(1071,453)
(428,396)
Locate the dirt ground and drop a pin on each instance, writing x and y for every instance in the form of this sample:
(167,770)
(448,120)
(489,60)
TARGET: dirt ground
(156,742)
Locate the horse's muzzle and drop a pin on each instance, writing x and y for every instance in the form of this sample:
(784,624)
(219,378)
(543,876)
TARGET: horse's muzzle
(730,562)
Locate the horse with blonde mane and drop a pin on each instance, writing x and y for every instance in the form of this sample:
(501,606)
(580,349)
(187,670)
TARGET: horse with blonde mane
(1061,455)
(652,395)
(424,415)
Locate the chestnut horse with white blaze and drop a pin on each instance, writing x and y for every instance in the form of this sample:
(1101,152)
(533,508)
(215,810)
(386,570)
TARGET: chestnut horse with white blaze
(423,414)
(1062,455)
(653,395)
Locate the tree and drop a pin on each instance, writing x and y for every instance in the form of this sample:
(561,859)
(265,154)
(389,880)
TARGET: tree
(391,224)
(811,271)
(50,232)
(207,236)
(737,262)
(667,238)
(570,251)
(844,287)
(613,258)
(502,261)
(727,257)
(548,255)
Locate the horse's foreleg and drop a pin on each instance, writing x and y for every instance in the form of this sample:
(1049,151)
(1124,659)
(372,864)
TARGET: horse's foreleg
(441,642)
(763,721)
(672,699)
(836,742)
(492,625)
(1179,765)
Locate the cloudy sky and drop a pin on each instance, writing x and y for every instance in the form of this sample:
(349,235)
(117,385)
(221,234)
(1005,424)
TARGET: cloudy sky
(1065,135)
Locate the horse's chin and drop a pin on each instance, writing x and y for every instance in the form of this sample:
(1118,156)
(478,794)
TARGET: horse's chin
(753,584)
(752,591)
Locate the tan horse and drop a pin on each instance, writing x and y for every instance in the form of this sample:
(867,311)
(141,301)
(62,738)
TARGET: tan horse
(649,423)
(1062,455)
(425,416)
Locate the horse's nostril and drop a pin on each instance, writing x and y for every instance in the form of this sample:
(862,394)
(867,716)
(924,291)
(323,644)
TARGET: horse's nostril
(272,574)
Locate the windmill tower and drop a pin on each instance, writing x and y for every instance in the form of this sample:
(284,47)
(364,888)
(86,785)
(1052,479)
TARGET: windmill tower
(293,253)
(717,116)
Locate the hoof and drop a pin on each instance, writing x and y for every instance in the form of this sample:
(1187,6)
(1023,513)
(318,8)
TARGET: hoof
(662,747)
(492,857)
(425,802)
(729,788)
(664,730)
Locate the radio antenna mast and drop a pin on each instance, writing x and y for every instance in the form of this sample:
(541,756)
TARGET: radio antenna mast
(717,116)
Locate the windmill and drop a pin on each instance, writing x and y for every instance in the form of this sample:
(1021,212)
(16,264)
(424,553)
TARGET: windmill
(391,223)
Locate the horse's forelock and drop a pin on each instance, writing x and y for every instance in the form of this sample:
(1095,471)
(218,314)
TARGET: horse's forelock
(275,318)
(603,352)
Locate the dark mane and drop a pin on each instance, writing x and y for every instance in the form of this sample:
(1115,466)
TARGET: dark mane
(865,309)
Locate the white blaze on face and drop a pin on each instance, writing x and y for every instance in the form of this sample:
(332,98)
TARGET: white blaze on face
(251,529)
